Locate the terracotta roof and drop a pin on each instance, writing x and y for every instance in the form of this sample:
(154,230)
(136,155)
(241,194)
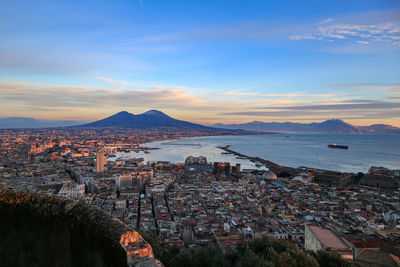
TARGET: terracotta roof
(327,238)
(366,243)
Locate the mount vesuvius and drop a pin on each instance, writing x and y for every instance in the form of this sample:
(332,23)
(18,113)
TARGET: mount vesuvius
(152,119)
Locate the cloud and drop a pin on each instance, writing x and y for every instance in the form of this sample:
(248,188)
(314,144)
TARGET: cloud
(297,95)
(365,104)
(94,102)
(52,101)
(325,21)
(58,97)
(358,109)
(49,61)
(386,116)
(260,92)
(242,31)
(377,27)
(373,31)
(246,93)
(122,84)
(376,87)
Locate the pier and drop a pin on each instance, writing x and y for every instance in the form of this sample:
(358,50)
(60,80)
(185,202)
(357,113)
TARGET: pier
(175,143)
(268,163)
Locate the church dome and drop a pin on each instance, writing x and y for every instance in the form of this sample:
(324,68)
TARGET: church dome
(269,175)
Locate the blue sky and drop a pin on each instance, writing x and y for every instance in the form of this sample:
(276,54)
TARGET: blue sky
(203,61)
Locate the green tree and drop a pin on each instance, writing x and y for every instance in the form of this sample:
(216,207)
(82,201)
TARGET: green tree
(262,252)
(330,259)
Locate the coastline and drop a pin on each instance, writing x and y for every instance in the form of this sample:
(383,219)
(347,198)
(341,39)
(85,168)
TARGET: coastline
(295,152)
(257,160)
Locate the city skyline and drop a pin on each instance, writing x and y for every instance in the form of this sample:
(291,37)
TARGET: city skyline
(221,62)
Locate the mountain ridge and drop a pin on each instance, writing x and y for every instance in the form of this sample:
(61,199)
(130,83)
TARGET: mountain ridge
(155,119)
(151,119)
(328,126)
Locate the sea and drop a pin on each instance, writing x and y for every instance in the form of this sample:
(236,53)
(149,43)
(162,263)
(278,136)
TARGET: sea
(294,150)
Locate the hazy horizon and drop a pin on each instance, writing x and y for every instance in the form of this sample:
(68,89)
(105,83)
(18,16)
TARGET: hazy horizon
(210,124)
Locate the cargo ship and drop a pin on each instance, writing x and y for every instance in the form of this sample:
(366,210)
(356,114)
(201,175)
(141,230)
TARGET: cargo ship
(338,146)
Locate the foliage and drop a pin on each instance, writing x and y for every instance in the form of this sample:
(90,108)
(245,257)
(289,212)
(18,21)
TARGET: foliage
(330,259)
(263,252)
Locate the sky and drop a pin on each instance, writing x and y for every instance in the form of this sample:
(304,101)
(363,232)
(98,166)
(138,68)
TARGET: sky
(203,61)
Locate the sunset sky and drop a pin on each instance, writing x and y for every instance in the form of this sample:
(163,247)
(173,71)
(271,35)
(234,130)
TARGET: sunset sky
(202,61)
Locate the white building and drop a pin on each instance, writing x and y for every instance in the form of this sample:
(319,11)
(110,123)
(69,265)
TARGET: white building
(120,204)
(123,181)
(72,191)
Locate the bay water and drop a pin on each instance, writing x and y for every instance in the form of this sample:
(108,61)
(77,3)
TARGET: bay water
(294,150)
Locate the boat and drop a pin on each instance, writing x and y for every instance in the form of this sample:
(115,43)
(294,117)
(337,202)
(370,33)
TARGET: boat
(225,153)
(334,145)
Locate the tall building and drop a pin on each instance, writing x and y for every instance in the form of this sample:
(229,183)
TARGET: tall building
(237,168)
(101,160)
(222,168)
(123,181)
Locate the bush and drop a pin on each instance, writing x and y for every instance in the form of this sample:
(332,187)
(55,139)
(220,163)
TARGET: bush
(262,252)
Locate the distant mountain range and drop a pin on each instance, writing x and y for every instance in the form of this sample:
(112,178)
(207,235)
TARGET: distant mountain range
(329,126)
(20,122)
(152,119)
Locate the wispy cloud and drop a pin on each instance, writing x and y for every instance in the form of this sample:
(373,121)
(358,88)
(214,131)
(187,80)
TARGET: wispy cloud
(325,21)
(330,30)
(347,109)
(381,27)
(387,90)
(377,87)
(243,31)
(48,61)
(122,84)
(298,95)
(31,97)
(359,104)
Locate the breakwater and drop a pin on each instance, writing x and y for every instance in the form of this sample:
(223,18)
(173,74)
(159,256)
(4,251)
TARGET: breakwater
(259,160)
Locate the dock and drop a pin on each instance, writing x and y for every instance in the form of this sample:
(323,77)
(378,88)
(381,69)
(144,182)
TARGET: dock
(265,162)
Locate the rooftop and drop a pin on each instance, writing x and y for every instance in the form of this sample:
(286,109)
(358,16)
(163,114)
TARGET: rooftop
(327,238)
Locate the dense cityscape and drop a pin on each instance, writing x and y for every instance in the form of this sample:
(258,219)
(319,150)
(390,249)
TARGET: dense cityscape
(223,133)
(197,202)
